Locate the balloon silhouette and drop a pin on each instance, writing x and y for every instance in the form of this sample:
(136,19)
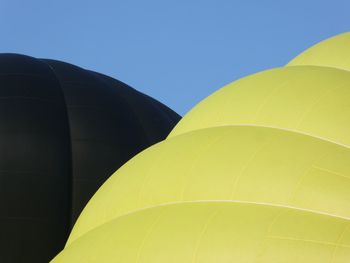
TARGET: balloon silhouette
(64,130)
(257,172)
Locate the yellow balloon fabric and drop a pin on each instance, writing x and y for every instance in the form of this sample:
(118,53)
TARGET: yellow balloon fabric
(333,52)
(247,164)
(258,172)
(219,232)
(306,99)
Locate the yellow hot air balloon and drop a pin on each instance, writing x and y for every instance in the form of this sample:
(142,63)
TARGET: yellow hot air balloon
(258,172)
(215,232)
(233,163)
(333,52)
(304,99)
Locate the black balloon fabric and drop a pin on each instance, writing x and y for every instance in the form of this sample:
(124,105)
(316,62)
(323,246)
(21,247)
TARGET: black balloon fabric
(63,131)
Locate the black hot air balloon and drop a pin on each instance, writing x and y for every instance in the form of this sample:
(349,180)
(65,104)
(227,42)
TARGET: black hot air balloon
(63,131)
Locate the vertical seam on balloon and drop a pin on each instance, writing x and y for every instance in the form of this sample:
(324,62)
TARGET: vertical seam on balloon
(302,178)
(266,99)
(245,166)
(193,164)
(70,212)
(202,234)
(147,235)
(111,83)
(218,113)
(309,109)
(112,182)
(156,105)
(268,231)
(231,97)
(198,157)
(338,245)
(147,177)
(139,120)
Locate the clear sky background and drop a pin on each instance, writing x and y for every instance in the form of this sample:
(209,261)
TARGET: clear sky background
(176,51)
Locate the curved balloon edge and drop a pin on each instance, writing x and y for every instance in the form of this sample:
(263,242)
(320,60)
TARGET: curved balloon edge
(163,144)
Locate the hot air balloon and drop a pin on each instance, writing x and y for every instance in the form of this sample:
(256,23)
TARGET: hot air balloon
(257,172)
(63,131)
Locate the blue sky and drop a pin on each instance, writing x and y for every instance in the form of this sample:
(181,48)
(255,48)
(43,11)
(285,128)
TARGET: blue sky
(177,51)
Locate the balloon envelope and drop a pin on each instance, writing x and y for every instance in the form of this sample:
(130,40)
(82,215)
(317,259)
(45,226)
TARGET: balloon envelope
(64,130)
(333,52)
(232,163)
(257,172)
(215,232)
(304,99)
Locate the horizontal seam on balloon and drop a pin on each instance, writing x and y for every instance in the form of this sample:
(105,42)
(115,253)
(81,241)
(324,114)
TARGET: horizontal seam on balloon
(330,171)
(108,110)
(26,75)
(82,84)
(317,66)
(34,177)
(33,174)
(308,240)
(32,132)
(270,127)
(25,172)
(87,107)
(96,141)
(303,176)
(27,98)
(24,218)
(239,202)
(75,179)
(216,201)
